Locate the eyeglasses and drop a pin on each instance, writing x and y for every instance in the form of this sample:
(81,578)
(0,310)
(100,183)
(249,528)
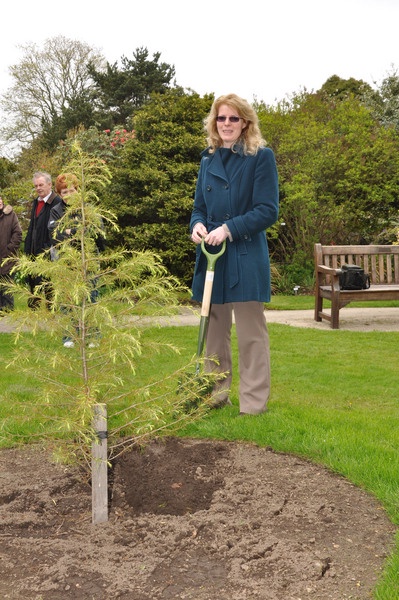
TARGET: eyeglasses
(222,119)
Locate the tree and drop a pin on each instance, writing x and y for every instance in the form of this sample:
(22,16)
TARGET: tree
(120,91)
(155,177)
(8,172)
(336,87)
(50,84)
(384,101)
(339,173)
(108,334)
(80,112)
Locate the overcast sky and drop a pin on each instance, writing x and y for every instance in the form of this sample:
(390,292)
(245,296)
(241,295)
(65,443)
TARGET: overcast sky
(259,49)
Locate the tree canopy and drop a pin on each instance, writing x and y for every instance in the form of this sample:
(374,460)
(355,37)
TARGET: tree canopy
(154,178)
(336,150)
(67,85)
(47,82)
(120,91)
(339,172)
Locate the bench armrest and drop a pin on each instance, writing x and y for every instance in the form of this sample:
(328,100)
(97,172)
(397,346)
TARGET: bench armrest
(328,270)
(328,276)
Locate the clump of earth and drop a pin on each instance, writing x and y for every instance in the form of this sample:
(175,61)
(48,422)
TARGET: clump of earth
(188,519)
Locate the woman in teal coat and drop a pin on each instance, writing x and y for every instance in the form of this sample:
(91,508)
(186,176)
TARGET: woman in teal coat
(236,200)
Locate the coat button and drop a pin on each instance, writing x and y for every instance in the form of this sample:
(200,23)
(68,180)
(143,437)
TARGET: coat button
(226,217)
(208,188)
(226,187)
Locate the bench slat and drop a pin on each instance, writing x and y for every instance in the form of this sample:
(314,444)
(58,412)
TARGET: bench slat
(389,268)
(374,269)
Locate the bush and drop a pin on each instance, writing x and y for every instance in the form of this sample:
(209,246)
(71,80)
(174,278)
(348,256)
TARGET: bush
(296,277)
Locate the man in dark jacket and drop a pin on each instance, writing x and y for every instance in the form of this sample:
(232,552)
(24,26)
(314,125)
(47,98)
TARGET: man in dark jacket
(38,238)
(10,239)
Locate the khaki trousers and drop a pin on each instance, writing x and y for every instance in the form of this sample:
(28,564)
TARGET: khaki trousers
(253,351)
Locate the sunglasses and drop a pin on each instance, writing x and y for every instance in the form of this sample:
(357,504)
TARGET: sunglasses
(231,119)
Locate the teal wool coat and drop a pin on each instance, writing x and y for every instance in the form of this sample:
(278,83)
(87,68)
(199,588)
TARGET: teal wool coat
(246,199)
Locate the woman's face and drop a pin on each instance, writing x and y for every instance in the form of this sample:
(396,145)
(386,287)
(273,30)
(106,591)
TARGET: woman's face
(65,192)
(228,130)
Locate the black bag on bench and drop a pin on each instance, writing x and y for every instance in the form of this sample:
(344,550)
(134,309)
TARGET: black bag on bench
(353,278)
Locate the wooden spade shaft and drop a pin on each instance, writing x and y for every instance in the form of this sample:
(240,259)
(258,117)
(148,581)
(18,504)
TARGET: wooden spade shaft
(206,297)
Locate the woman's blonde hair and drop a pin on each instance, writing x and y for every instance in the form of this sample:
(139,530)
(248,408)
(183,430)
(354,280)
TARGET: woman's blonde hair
(251,138)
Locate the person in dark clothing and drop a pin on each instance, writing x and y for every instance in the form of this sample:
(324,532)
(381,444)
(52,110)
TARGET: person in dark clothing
(66,185)
(38,238)
(64,189)
(236,199)
(10,240)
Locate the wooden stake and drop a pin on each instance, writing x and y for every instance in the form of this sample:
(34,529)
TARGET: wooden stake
(99,466)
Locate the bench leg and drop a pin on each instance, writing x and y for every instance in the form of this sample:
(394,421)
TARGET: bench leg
(335,312)
(318,307)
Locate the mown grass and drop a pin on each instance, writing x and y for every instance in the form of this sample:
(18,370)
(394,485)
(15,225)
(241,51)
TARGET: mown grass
(303,302)
(334,401)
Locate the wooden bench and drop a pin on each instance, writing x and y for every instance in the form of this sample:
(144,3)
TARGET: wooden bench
(381,263)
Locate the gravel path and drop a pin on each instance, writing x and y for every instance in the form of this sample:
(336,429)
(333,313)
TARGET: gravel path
(351,319)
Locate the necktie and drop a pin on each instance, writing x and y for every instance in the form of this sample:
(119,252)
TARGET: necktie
(39,207)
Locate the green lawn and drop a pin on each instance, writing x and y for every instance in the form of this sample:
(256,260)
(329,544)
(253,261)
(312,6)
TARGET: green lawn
(307,302)
(334,401)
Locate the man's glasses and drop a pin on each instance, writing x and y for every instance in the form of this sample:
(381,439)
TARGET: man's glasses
(231,119)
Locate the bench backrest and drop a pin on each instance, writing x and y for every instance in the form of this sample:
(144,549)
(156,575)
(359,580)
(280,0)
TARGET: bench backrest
(380,262)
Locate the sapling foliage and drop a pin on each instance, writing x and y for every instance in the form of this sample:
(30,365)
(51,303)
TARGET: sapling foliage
(102,302)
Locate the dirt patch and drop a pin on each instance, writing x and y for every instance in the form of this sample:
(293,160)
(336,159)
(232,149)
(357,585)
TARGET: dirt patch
(189,519)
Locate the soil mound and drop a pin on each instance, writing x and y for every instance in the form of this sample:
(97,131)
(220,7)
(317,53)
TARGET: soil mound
(189,519)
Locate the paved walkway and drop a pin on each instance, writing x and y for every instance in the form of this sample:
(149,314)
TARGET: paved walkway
(351,319)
